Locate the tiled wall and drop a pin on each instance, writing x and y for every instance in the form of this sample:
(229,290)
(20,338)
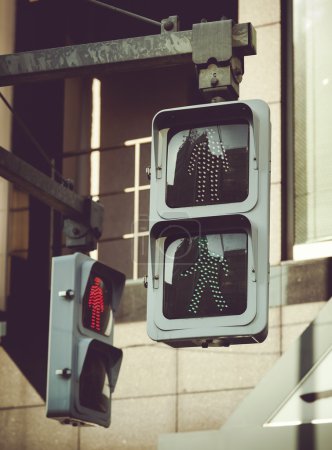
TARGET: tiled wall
(160,389)
(262,80)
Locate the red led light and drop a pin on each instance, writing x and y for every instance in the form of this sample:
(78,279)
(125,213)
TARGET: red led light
(96,303)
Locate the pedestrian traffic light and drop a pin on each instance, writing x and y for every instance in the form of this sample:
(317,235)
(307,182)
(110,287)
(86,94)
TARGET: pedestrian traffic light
(83,365)
(208,268)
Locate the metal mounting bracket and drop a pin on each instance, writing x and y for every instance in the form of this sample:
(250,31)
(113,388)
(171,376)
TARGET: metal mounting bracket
(85,237)
(218,50)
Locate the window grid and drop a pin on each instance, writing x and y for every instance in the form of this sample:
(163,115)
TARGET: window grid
(136,143)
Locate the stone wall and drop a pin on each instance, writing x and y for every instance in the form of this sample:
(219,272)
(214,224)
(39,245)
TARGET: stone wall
(161,389)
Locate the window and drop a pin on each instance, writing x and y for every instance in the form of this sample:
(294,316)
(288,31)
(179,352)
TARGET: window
(118,179)
(115,175)
(312,34)
(124,191)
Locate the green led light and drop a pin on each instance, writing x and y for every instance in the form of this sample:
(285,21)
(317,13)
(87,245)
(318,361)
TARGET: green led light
(207,266)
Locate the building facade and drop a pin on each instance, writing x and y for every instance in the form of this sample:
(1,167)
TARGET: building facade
(101,135)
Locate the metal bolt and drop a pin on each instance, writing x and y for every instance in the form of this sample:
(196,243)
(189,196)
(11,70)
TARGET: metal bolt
(168,25)
(96,232)
(69,184)
(148,172)
(145,281)
(217,99)
(214,81)
(68,294)
(76,231)
(65,373)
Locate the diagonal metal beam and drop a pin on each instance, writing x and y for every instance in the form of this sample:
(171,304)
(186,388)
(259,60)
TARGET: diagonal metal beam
(98,58)
(44,188)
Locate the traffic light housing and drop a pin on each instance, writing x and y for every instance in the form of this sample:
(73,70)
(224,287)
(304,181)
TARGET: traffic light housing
(83,365)
(208,268)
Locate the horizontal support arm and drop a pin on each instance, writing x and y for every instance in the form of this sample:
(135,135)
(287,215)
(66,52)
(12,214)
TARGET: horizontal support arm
(96,59)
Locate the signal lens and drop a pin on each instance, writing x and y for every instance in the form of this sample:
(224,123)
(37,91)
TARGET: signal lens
(95,392)
(97,311)
(206,276)
(207,166)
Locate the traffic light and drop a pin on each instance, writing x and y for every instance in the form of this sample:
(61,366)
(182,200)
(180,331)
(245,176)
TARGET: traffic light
(83,366)
(208,268)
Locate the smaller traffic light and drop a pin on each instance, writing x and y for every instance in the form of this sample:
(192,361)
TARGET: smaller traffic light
(208,268)
(83,365)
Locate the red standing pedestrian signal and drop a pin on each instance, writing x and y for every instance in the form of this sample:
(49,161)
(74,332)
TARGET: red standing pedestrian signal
(96,303)
(97,312)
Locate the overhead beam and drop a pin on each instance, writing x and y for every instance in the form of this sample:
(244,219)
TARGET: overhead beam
(96,59)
